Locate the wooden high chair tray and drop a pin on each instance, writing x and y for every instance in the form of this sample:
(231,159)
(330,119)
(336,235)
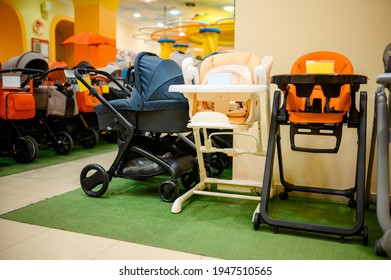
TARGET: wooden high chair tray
(319,79)
(217,88)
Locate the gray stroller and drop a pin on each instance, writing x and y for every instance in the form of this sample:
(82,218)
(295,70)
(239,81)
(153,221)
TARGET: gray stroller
(381,136)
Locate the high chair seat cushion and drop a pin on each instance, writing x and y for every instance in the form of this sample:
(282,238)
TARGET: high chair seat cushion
(297,106)
(228,69)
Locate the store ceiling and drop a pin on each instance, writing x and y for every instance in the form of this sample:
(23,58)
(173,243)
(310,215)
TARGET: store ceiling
(159,11)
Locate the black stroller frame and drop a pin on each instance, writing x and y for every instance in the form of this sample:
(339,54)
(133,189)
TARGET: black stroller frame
(22,148)
(355,119)
(38,127)
(74,125)
(129,141)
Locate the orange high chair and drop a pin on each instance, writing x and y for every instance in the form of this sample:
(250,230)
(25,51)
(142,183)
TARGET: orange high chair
(225,98)
(319,99)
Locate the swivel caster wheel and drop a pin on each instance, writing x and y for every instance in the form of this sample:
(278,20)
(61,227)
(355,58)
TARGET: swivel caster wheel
(168,191)
(352,203)
(94,180)
(63,143)
(257,221)
(365,237)
(189,179)
(283,195)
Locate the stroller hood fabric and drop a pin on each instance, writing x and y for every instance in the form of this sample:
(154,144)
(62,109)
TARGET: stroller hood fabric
(152,78)
(31,60)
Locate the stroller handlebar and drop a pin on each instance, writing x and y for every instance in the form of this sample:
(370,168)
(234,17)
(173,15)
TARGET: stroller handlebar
(81,71)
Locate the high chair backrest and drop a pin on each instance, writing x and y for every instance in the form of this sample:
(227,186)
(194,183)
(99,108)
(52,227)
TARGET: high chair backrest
(328,63)
(239,63)
(237,68)
(342,64)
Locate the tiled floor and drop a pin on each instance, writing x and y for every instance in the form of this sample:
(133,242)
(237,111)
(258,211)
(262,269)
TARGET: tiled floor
(20,241)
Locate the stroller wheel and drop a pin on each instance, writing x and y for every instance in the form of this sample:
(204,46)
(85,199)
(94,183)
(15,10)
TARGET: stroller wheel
(25,149)
(64,143)
(217,165)
(189,179)
(94,184)
(168,191)
(89,137)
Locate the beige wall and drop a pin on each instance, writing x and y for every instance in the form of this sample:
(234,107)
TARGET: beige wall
(125,39)
(287,29)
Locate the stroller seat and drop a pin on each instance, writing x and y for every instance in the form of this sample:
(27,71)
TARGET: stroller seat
(319,98)
(224,99)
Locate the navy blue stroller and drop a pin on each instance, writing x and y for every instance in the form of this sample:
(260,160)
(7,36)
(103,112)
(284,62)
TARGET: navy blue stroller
(140,121)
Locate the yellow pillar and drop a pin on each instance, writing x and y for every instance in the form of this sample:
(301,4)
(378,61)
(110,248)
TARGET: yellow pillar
(166,47)
(96,16)
(209,39)
(181,47)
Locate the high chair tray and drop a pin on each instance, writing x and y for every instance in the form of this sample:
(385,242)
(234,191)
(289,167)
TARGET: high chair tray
(217,88)
(319,79)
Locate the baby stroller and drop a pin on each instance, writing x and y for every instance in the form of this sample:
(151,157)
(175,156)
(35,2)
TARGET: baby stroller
(225,99)
(319,98)
(37,127)
(16,105)
(139,120)
(381,135)
(57,83)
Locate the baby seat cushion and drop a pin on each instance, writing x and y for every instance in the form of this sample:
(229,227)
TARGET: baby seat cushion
(228,69)
(332,112)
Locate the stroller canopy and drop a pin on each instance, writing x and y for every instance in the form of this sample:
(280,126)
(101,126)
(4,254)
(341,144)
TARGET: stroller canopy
(152,78)
(31,60)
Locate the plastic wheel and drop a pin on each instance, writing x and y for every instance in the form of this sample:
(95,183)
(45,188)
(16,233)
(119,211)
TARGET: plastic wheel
(257,221)
(64,143)
(217,165)
(168,191)
(283,195)
(94,180)
(365,237)
(352,203)
(189,179)
(89,137)
(34,152)
(25,149)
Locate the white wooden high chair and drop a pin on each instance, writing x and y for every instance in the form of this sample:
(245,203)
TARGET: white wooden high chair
(225,95)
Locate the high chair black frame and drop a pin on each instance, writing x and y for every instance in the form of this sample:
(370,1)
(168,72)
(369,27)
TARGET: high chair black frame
(354,119)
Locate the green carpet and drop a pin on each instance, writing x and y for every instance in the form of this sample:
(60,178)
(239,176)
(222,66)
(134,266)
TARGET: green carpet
(211,226)
(47,157)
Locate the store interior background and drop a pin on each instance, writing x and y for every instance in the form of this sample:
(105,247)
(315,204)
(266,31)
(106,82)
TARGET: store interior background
(284,29)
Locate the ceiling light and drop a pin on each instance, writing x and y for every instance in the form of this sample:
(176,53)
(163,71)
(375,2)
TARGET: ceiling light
(229,9)
(160,24)
(137,15)
(182,34)
(148,1)
(174,12)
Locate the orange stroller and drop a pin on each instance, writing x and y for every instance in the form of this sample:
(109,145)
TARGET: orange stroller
(319,99)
